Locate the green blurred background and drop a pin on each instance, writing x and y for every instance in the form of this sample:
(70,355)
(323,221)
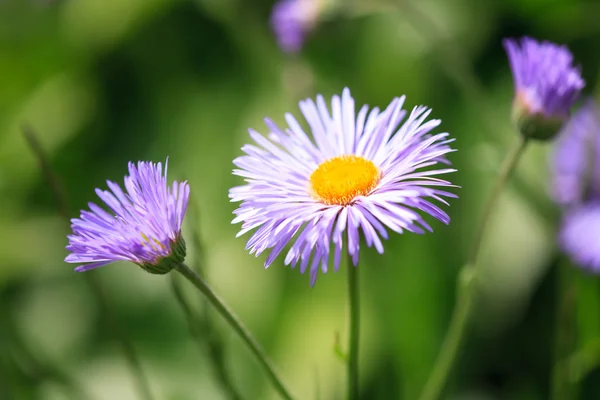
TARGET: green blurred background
(104,82)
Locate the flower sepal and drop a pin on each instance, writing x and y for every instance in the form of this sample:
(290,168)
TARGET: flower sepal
(536,125)
(164,265)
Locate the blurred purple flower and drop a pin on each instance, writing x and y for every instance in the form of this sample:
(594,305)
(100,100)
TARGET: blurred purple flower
(353,173)
(546,82)
(576,185)
(576,153)
(292,20)
(144,226)
(579,236)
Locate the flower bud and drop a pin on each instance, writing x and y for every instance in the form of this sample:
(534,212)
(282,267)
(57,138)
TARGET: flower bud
(546,86)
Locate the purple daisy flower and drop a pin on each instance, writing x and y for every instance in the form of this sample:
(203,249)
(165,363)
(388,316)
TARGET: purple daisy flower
(354,173)
(144,226)
(576,186)
(291,20)
(576,153)
(546,82)
(579,236)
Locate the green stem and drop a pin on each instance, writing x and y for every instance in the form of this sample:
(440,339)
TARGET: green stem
(237,326)
(353,297)
(586,358)
(508,166)
(564,342)
(584,361)
(466,282)
(452,341)
(205,322)
(63,210)
(21,358)
(140,379)
(202,330)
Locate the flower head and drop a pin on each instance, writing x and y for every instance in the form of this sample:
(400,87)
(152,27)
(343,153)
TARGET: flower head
(576,186)
(546,85)
(291,20)
(354,173)
(144,225)
(579,236)
(576,158)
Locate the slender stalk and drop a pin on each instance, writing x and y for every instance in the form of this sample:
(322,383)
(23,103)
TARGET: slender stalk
(237,326)
(200,328)
(586,358)
(56,186)
(584,361)
(353,300)
(508,166)
(60,198)
(201,325)
(466,281)
(453,339)
(19,356)
(140,379)
(564,341)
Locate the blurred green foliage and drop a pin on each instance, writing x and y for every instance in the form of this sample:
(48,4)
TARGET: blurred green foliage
(106,82)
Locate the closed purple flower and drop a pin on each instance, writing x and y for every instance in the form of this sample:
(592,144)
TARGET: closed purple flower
(545,79)
(291,20)
(143,225)
(576,186)
(353,173)
(546,85)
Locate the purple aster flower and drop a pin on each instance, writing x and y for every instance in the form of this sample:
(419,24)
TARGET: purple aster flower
(354,173)
(576,186)
(546,85)
(144,225)
(576,155)
(579,236)
(291,20)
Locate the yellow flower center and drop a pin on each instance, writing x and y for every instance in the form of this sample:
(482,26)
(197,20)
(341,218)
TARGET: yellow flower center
(341,179)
